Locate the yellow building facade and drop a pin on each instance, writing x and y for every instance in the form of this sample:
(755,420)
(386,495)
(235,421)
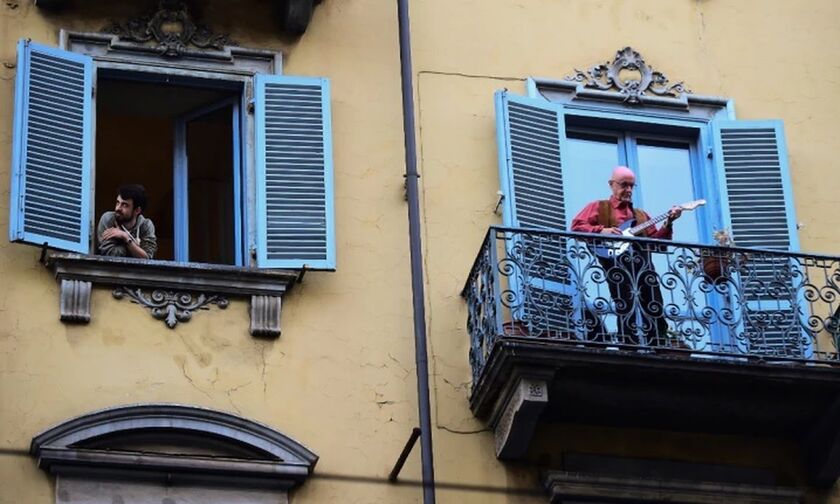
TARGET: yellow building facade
(213,398)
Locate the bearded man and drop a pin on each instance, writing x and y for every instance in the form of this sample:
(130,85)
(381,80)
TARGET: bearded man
(125,232)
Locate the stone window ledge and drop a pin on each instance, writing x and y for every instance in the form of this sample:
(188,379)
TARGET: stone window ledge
(172,291)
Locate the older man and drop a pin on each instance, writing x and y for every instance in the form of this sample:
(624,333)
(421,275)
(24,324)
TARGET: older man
(125,232)
(632,281)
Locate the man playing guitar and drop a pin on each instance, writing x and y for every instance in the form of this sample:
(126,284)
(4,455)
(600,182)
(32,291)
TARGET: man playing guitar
(633,283)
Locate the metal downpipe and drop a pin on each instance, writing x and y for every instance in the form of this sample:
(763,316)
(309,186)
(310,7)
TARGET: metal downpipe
(418,295)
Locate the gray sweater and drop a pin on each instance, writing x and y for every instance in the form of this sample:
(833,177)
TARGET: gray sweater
(143,231)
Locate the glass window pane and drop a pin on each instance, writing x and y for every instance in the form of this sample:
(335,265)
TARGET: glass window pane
(210,154)
(589,161)
(664,178)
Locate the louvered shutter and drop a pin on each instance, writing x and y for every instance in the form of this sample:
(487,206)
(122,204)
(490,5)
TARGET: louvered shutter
(751,158)
(531,133)
(51,148)
(531,138)
(295,219)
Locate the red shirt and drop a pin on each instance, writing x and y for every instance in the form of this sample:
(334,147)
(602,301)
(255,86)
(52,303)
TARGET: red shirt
(587,220)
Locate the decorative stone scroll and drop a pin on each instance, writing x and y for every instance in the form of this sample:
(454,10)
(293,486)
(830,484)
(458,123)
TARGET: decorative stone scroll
(75,301)
(171,29)
(172,291)
(265,315)
(170,306)
(608,77)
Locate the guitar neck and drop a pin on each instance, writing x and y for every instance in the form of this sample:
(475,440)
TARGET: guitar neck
(635,230)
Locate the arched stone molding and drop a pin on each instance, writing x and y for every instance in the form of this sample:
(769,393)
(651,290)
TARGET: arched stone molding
(173,444)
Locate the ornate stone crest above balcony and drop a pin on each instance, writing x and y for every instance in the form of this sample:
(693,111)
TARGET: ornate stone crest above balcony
(629,75)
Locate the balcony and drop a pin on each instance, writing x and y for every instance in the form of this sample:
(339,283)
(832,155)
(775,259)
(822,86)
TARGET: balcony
(665,335)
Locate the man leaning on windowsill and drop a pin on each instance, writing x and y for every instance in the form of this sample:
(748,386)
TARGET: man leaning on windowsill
(125,232)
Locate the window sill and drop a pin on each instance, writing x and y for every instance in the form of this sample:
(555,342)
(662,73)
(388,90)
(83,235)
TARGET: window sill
(173,291)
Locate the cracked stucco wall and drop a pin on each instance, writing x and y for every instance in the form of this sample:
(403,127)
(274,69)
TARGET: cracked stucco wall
(774,58)
(340,379)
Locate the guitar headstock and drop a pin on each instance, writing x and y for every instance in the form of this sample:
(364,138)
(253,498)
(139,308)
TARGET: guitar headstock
(691,205)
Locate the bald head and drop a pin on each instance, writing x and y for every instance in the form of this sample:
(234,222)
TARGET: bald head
(622,182)
(622,172)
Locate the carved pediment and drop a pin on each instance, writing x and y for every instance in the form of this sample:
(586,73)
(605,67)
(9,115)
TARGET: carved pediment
(171,443)
(630,75)
(170,30)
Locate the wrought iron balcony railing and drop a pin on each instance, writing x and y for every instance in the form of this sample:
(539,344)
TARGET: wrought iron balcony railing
(657,296)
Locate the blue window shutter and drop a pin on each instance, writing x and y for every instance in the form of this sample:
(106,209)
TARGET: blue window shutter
(531,139)
(751,158)
(757,202)
(51,148)
(295,217)
(531,136)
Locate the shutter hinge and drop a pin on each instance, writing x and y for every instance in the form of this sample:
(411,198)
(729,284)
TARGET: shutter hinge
(251,106)
(93,91)
(710,154)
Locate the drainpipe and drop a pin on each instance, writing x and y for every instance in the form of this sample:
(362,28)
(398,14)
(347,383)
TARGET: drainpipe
(418,295)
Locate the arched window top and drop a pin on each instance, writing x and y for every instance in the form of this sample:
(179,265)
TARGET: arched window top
(174,441)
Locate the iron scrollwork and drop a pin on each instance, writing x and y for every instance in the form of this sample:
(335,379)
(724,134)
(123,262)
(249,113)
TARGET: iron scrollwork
(607,76)
(172,29)
(661,297)
(169,306)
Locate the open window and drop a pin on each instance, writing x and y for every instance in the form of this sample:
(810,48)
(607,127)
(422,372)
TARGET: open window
(222,189)
(557,147)
(183,142)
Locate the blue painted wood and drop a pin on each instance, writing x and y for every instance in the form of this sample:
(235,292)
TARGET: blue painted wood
(238,200)
(531,88)
(754,177)
(729,113)
(531,144)
(531,134)
(641,116)
(180,193)
(51,149)
(294,170)
(181,180)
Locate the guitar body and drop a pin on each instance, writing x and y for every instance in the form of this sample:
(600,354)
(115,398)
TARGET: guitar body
(611,250)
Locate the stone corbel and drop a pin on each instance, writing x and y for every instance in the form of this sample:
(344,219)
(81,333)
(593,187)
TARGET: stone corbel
(518,417)
(295,15)
(173,292)
(265,316)
(74,301)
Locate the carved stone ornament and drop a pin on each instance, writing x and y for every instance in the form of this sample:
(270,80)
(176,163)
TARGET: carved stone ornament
(171,29)
(169,306)
(607,76)
(75,301)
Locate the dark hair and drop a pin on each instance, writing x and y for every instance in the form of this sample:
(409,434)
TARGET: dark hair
(134,192)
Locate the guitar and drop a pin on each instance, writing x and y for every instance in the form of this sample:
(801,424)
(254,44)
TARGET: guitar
(614,250)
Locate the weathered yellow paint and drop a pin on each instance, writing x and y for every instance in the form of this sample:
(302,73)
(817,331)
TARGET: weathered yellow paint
(772,57)
(341,377)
